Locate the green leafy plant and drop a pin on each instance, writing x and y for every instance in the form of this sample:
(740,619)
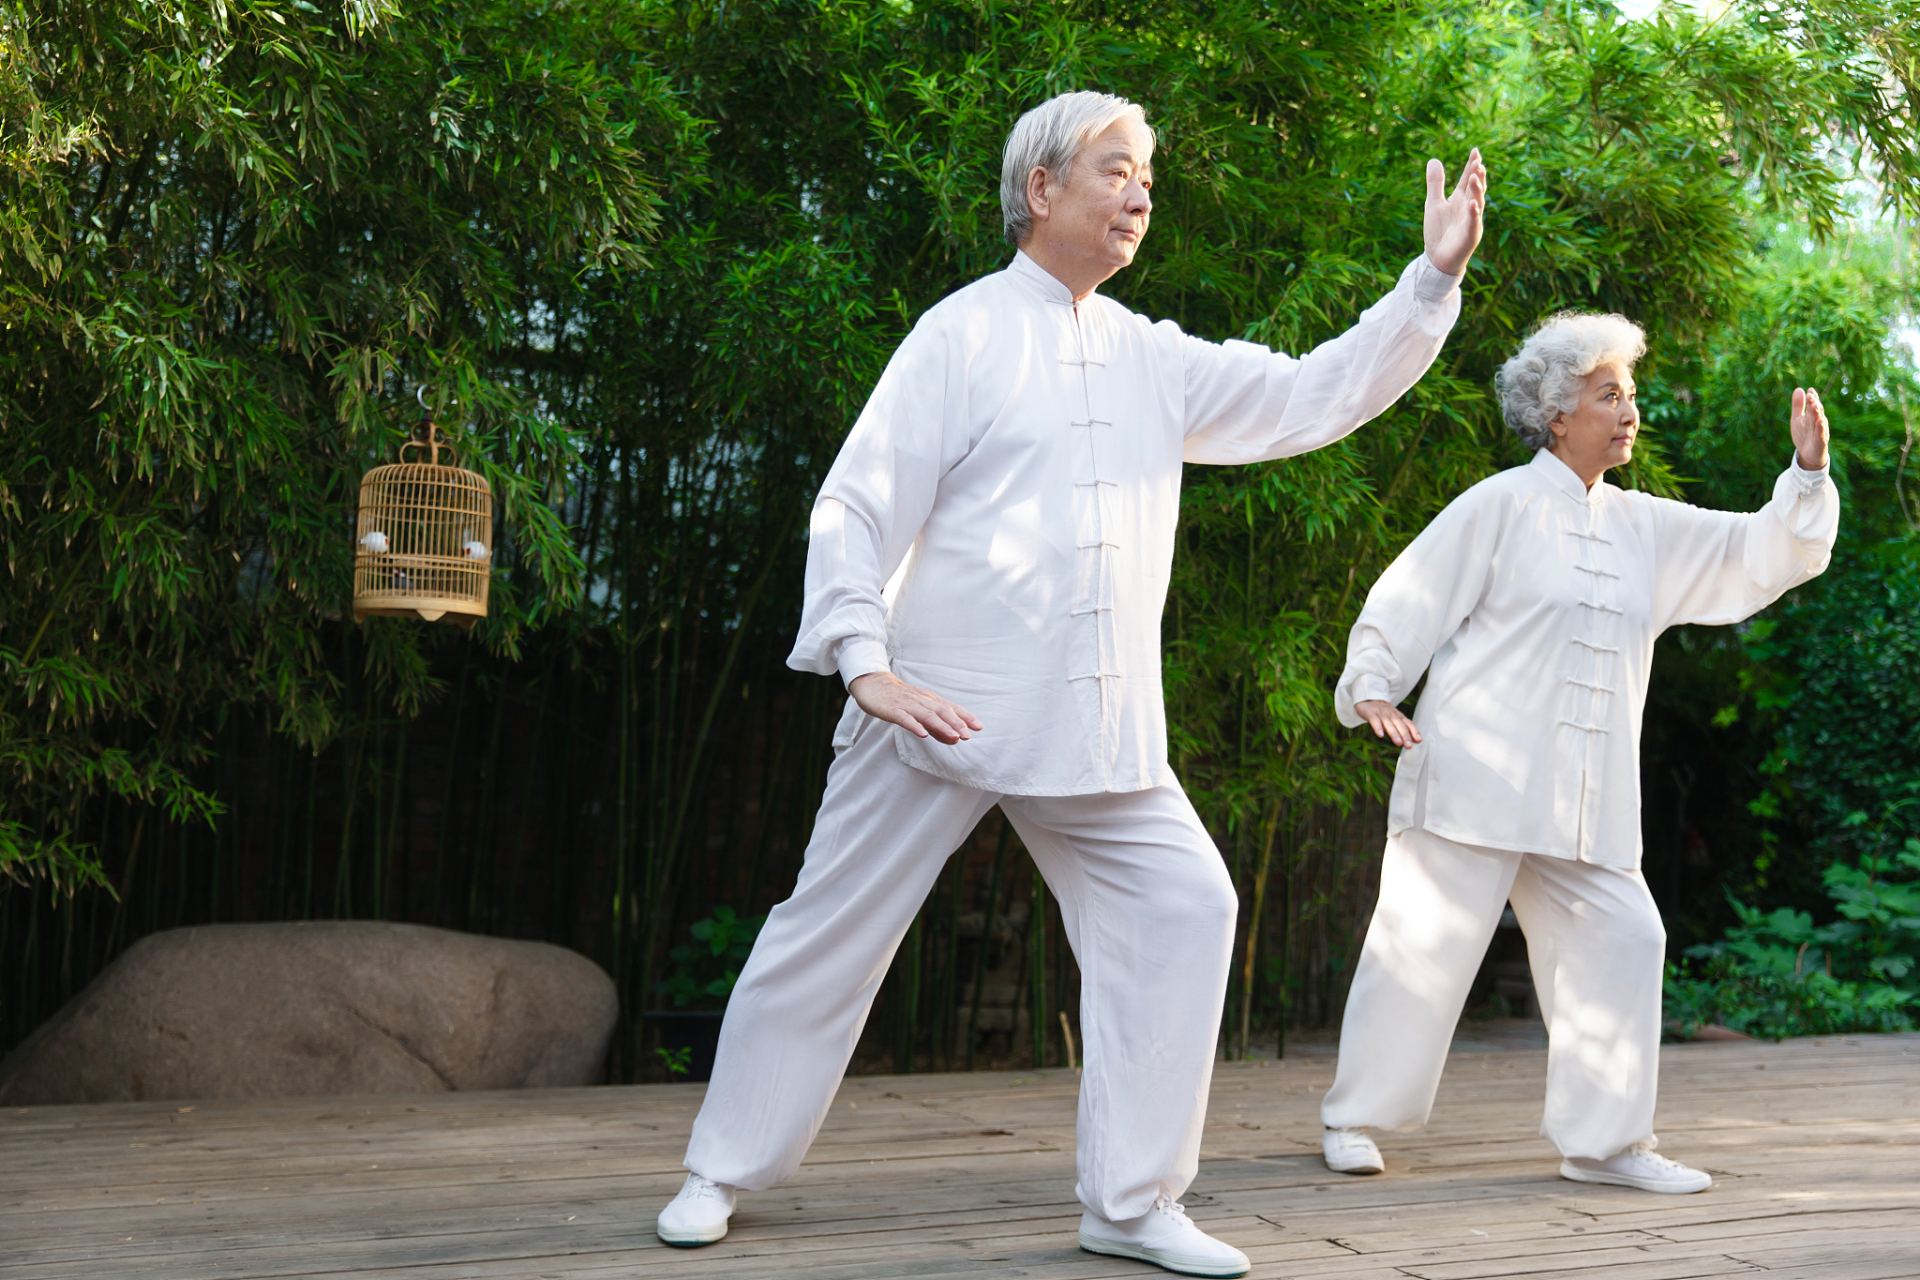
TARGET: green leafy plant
(1777,974)
(677,1061)
(705,969)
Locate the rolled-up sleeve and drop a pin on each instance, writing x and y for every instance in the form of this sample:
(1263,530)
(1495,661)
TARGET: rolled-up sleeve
(1719,567)
(871,508)
(1248,404)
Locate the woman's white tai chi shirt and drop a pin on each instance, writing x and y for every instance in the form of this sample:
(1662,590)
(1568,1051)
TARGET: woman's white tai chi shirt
(1537,603)
(1027,451)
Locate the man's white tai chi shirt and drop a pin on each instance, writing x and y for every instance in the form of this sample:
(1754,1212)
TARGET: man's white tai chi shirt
(1027,451)
(1537,603)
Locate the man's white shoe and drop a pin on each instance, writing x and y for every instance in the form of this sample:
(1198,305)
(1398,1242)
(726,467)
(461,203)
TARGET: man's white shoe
(1166,1237)
(1351,1151)
(698,1215)
(1639,1167)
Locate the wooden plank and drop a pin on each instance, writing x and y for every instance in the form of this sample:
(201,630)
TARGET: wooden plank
(971,1175)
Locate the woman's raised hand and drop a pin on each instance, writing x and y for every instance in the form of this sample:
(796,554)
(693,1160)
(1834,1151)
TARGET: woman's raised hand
(1809,429)
(1388,722)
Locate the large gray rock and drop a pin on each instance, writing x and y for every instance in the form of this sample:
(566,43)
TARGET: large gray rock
(280,1010)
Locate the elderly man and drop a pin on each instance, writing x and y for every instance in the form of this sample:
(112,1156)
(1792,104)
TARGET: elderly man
(1533,602)
(988,561)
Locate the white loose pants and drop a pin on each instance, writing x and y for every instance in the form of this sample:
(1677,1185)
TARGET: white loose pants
(1149,911)
(1596,947)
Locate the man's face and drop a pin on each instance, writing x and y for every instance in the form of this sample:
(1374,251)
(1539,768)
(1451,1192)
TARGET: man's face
(1099,214)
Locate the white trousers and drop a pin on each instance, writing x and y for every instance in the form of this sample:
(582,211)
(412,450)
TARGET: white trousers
(1596,947)
(1149,911)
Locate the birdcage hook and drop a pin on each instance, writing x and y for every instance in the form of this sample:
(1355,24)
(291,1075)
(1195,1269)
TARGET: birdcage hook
(427,434)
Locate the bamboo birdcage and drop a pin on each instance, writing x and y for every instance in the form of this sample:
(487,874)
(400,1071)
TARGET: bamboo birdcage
(423,540)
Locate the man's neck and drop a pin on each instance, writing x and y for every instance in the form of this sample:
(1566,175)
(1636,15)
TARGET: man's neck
(1077,271)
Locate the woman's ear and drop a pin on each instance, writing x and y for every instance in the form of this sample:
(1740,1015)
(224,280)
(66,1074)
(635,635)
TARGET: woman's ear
(1558,424)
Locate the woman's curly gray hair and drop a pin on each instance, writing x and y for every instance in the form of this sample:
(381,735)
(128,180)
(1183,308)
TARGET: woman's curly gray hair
(1545,376)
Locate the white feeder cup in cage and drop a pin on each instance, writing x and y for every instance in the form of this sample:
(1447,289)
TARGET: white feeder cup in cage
(420,548)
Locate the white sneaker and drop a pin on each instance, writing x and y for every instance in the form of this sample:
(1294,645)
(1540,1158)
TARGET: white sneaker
(1351,1151)
(1638,1167)
(1166,1237)
(698,1215)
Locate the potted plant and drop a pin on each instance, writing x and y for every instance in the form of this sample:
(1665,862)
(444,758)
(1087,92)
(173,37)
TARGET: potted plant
(703,975)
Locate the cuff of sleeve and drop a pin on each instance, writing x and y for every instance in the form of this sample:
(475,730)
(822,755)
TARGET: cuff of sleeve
(1804,480)
(1371,688)
(860,657)
(1430,283)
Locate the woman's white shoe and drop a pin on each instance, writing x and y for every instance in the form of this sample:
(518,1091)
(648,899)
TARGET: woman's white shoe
(1351,1151)
(1640,1168)
(1166,1237)
(698,1215)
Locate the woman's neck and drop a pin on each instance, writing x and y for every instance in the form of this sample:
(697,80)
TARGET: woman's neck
(1589,472)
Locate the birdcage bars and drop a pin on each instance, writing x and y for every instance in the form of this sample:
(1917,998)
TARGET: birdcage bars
(423,538)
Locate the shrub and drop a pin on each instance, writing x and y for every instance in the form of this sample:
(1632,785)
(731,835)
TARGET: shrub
(1778,974)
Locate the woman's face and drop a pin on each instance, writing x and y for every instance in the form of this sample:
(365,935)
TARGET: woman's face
(1600,430)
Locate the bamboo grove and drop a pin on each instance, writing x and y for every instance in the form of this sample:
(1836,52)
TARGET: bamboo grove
(646,258)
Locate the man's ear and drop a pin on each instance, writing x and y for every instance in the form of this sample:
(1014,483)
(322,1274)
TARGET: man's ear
(1039,197)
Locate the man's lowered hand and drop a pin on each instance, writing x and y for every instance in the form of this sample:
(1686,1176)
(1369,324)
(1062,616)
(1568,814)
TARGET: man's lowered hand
(885,696)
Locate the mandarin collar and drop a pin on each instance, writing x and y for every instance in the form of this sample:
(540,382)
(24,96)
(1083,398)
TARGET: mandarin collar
(1562,477)
(1039,279)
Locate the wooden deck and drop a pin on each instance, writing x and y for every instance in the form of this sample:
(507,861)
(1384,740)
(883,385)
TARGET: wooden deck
(1815,1145)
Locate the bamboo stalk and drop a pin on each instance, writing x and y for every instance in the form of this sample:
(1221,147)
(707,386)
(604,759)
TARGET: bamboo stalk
(396,815)
(1285,947)
(1253,931)
(490,787)
(656,921)
(377,829)
(947,1021)
(907,1001)
(1037,966)
(443,842)
(623,888)
(986,937)
(530,774)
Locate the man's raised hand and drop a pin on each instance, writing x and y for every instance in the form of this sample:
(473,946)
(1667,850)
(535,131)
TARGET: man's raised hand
(1454,222)
(885,696)
(1809,427)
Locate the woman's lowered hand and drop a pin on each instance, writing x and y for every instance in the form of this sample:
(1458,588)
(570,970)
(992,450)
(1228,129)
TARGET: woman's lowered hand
(1388,721)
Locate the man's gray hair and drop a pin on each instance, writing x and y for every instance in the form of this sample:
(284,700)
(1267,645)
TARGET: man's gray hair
(1546,375)
(1048,137)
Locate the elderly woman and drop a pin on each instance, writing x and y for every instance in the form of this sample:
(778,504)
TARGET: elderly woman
(1533,602)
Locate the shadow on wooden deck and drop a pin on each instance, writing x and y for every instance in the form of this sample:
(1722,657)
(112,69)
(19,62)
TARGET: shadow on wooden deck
(1815,1145)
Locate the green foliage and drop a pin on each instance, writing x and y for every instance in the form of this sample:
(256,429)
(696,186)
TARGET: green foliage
(676,1061)
(1757,1000)
(24,857)
(706,969)
(1838,666)
(236,237)
(1777,974)
(1792,727)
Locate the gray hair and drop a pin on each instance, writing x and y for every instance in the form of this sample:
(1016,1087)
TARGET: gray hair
(1048,137)
(1545,376)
